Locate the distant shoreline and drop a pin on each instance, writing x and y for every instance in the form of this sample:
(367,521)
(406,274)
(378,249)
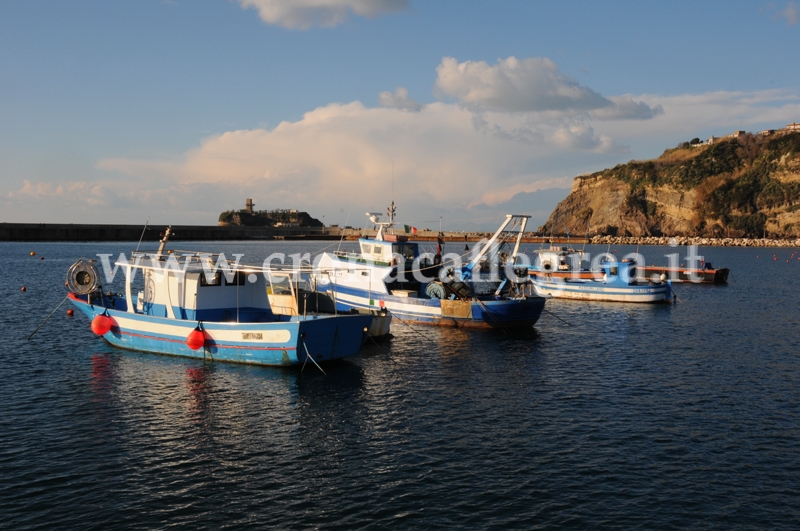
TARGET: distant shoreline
(75,232)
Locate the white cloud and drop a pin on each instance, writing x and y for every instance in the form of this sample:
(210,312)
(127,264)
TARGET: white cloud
(557,109)
(398,100)
(341,158)
(495,197)
(582,137)
(303,14)
(514,85)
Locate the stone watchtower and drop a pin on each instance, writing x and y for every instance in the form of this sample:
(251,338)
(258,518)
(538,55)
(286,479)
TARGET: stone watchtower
(248,206)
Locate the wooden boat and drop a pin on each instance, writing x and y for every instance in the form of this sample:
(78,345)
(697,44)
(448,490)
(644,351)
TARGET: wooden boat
(615,282)
(199,305)
(707,273)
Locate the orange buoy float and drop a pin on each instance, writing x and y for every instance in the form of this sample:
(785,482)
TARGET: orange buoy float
(23,288)
(33,253)
(101,324)
(196,339)
(70,312)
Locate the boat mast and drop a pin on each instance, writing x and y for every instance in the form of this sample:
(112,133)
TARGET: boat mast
(164,241)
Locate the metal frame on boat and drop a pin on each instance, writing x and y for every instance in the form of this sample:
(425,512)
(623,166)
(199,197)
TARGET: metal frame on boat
(390,273)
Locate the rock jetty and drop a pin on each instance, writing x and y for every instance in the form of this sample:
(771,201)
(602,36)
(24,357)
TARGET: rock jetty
(694,240)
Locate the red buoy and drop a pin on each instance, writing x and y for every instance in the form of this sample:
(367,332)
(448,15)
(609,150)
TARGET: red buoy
(23,288)
(196,339)
(101,324)
(70,312)
(41,258)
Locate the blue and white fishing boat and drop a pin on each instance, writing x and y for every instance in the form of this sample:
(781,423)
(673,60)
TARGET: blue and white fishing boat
(390,273)
(557,272)
(199,305)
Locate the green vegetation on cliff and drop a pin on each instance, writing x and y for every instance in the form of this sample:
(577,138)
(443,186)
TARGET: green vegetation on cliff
(747,185)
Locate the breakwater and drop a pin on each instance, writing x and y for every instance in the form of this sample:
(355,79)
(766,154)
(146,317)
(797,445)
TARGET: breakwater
(68,232)
(695,240)
(71,232)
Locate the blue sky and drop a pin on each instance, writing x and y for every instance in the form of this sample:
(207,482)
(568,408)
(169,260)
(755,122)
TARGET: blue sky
(173,111)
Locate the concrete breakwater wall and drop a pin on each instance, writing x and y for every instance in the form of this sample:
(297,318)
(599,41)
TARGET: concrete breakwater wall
(68,232)
(64,232)
(690,240)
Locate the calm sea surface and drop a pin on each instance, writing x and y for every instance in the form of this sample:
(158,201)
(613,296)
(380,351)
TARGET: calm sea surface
(607,416)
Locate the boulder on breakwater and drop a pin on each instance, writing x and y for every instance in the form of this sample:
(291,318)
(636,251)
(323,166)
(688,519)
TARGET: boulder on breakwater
(694,240)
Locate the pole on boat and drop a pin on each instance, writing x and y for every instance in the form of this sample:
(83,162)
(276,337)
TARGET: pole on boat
(142,236)
(48,317)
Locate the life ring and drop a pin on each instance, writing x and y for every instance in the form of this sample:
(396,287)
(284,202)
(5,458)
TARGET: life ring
(83,277)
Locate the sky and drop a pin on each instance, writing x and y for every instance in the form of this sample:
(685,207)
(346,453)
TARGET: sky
(173,111)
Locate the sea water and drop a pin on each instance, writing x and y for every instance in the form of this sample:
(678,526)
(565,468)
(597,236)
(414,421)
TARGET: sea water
(604,416)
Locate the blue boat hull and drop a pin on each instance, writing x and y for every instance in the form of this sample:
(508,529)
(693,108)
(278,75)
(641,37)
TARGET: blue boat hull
(288,341)
(600,291)
(486,313)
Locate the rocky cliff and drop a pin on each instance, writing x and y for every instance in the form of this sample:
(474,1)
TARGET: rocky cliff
(267,218)
(747,186)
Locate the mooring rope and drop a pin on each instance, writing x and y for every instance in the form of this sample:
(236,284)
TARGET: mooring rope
(308,357)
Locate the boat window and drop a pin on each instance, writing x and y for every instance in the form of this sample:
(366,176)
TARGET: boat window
(406,250)
(281,285)
(376,250)
(366,248)
(235,279)
(211,280)
(364,274)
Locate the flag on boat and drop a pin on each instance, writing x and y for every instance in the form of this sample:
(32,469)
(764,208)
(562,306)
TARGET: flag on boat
(410,229)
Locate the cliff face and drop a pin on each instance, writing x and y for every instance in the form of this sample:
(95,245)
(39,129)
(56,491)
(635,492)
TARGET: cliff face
(747,186)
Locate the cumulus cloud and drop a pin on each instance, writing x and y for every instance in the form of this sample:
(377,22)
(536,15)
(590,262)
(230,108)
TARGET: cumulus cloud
(303,14)
(626,108)
(514,85)
(398,100)
(557,109)
(582,137)
(342,157)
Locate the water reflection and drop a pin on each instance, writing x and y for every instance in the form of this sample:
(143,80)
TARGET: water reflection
(102,376)
(198,384)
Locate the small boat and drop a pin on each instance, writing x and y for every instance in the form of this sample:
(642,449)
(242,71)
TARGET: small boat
(614,282)
(199,305)
(707,273)
(390,273)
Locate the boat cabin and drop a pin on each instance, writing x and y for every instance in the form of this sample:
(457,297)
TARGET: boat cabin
(385,252)
(557,258)
(198,287)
